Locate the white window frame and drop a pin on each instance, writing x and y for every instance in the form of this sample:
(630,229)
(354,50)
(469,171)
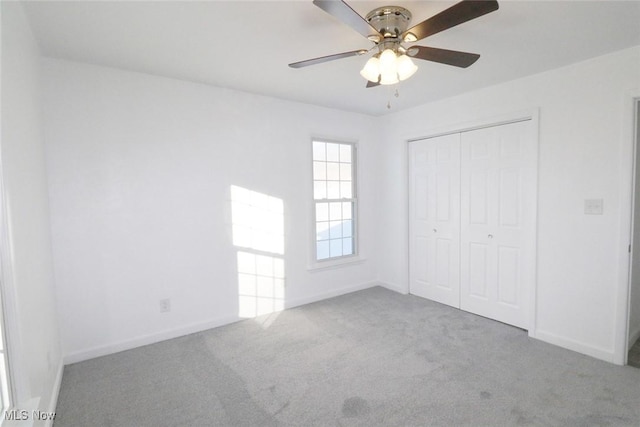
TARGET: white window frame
(355,257)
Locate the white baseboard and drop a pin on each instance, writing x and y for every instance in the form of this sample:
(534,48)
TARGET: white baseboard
(53,402)
(105,350)
(569,344)
(331,294)
(395,287)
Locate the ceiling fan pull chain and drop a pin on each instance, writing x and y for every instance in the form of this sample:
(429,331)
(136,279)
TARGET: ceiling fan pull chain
(396,94)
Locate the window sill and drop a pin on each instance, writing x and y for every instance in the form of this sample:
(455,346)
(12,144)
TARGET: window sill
(336,263)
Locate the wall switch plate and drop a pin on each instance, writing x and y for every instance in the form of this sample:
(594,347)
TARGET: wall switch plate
(593,206)
(165,305)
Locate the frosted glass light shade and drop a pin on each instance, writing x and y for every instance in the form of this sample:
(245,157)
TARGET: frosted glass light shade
(389,79)
(387,62)
(388,69)
(406,67)
(371,70)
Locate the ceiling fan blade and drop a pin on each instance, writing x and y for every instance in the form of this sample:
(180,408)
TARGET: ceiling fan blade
(347,15)
(372,84)
(457,14)
(327,58)
(443,56)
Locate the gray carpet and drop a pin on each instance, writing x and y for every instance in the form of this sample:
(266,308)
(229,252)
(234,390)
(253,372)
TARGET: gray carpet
(371,358)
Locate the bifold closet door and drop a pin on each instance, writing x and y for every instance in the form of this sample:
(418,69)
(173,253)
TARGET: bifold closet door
(497,228)
(434,219)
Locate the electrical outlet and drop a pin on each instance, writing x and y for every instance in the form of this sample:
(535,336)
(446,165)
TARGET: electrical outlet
(593,206)
(165,305)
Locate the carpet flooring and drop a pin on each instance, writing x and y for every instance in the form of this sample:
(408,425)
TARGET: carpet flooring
(370,358)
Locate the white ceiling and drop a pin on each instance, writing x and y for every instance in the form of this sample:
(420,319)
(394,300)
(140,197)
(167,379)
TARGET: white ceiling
(246,45)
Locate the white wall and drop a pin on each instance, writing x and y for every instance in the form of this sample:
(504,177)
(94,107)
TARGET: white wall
(634,303)
(140,169)
(28,279)
(580,136)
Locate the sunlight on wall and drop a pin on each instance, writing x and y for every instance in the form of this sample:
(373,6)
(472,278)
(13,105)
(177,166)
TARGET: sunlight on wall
(258,233)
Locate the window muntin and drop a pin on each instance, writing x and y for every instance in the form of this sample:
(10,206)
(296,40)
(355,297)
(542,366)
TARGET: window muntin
(334,193)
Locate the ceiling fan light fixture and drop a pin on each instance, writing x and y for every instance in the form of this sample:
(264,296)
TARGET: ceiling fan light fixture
(388,68)
(387,62)
(371,70)
(409,38)
(389,79)
(405,66)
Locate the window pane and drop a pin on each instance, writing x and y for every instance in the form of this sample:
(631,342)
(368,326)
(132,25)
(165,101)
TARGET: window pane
(347,246)
(347,208)
(335,247)
(322,211)
(333,190)
(347,228)
(345,190)
(322,249)
(319,150)
(345,172)
(335,230)
(333,152)
(319,170)
(345,153)
(335,211)
(320,190)
(322,230)
(333,171)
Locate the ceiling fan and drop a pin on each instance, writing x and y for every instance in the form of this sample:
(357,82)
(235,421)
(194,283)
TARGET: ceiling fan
(387,27)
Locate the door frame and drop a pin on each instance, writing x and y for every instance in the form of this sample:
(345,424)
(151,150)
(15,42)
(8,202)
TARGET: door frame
(630,145)
(532,115)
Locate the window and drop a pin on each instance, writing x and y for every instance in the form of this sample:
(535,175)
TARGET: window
(334,194)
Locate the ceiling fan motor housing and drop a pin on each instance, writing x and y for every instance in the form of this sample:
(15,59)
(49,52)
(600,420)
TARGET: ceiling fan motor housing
(390,21)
